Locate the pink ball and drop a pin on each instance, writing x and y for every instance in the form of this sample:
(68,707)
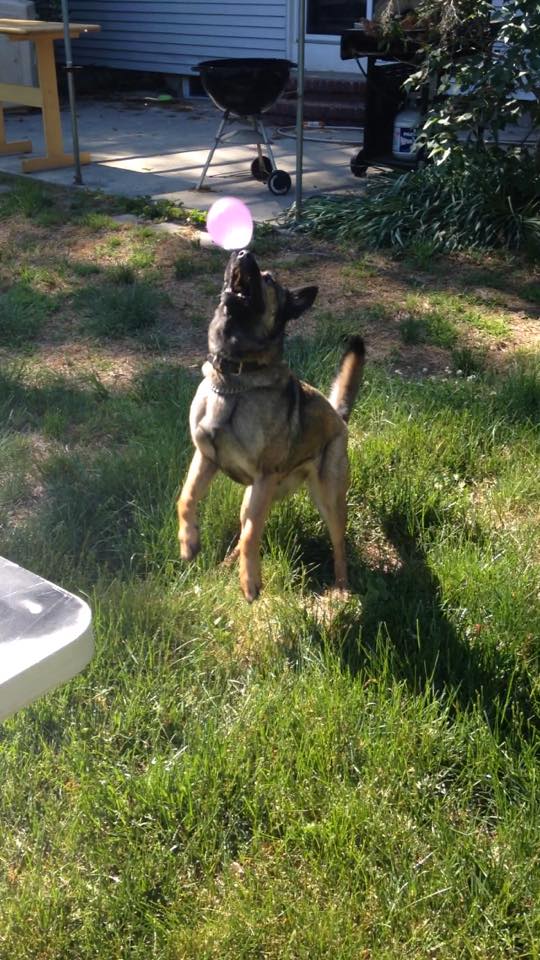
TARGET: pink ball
(230,223)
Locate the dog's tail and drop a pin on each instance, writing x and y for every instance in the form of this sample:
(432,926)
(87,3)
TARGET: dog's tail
(349,376)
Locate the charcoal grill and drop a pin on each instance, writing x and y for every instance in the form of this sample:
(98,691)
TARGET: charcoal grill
(243,89)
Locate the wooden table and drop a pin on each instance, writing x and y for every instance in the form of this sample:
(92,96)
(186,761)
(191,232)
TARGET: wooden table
(42,34)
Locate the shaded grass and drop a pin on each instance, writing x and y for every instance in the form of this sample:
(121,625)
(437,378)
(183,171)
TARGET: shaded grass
(119,309)
(23,312)
(192,265)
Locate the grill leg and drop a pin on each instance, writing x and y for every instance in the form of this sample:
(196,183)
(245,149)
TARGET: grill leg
(258,141)
(259,126)
(213,150)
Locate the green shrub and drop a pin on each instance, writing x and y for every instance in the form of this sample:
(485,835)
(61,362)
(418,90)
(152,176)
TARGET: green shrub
(490,200)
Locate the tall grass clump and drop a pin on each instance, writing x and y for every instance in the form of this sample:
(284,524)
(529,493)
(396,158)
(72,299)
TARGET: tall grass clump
(23,312)
(488,200)
(120,308)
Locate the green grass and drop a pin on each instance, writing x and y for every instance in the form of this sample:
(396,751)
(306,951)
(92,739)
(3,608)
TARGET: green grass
(121,306)
(23,312)
(441,317)
(193,263)
(236,781)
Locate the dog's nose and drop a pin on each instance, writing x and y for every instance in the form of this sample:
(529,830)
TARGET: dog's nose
(242,254)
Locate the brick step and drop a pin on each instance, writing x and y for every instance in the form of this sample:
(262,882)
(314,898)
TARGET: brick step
(330,84)
(326,111)
(328,98)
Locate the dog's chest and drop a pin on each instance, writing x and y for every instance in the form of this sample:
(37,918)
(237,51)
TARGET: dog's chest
(245,434)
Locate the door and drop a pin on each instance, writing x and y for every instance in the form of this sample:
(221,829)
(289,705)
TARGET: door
(326,20)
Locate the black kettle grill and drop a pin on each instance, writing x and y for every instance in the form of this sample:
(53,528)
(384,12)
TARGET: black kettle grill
(244,89)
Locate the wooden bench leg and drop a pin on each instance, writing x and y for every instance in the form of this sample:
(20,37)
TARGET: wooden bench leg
(52,126)
(17,146)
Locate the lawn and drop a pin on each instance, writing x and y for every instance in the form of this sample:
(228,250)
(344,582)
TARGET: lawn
(295,779)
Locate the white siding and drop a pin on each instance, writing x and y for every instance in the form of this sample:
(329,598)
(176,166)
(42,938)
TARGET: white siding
(171,36)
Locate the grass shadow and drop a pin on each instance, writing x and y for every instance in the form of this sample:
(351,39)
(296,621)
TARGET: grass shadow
(402,611)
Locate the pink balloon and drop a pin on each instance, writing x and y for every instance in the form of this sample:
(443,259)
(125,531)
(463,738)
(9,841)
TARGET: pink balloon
(230,223)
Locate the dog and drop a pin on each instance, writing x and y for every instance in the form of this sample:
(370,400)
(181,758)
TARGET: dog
(254,420)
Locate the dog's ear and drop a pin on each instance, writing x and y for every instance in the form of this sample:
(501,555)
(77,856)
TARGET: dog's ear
(299,300)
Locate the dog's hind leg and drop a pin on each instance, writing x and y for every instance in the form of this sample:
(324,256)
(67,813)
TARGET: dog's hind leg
(328,487)
(255,508)
(232,555)
(200,475)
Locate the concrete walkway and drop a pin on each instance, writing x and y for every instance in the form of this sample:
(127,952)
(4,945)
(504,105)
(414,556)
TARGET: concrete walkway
(141,148)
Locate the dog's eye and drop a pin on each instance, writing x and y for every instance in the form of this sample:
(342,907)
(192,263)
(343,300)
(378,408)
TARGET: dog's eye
(267,278)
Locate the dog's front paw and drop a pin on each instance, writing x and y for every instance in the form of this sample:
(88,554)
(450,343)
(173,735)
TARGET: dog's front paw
(251,587)
(190,543)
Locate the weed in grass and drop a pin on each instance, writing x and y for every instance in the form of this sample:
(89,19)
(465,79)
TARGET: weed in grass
(146,234)
(110,245)
(150,209)
(186,266)
(48,277)
(28,199)
(427,322)
(197,320)
(531,291)
(463,309)
(412,329)
(211,288)
(153,341)
(142,259)
(119,310)
(266,240)
(519,393)
(83,269)
(468,359)
(22,314)
(354,273)
(422,254)
(55,423)
(97,222)
(15,468)
(121,273)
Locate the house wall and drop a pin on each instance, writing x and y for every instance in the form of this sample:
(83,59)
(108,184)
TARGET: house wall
(171,36)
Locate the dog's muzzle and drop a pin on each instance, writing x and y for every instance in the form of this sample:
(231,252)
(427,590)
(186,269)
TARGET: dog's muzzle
(243,281)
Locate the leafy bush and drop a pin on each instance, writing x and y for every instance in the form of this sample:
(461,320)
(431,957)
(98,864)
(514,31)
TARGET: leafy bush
(491,200)
(481,63)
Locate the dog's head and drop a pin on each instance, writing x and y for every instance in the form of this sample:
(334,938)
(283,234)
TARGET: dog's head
(253,311)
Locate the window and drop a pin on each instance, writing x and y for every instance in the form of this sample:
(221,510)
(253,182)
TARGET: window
(333,16)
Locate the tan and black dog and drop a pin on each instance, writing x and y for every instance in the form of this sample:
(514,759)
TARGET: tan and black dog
(254,420)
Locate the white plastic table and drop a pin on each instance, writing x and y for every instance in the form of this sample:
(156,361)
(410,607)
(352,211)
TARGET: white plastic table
(45,636)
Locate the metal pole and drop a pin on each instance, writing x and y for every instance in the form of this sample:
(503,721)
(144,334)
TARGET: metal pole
(71,93)
(300,108)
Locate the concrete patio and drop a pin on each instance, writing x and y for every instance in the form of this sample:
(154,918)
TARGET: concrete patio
(143,148)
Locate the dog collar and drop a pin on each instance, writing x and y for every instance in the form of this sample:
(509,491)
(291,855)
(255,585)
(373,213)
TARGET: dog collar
(226,365)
